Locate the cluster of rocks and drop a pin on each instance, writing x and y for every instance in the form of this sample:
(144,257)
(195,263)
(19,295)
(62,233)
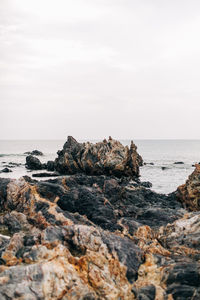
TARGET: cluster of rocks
(103,236)
(103,158)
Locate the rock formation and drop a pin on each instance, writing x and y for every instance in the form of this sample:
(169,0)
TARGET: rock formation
(189,193)
(98,237)
(95,237)
(33,163)
(107,157)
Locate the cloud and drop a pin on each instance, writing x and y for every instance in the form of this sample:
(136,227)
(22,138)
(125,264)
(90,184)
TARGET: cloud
(129,67)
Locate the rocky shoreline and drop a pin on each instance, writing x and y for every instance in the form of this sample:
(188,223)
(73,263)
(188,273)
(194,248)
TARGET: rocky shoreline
(97,232)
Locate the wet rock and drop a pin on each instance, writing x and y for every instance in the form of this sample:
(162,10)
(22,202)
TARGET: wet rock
(14,164)
(107,157)
(5,170)
(33,163)
(164,168)
(178,163)
(50,165)
(44,174)
(34,152)
(189,193)
(146,184)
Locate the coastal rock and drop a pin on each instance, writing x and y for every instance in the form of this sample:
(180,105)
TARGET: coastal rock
(107,157)
(189,193)
(178,163)
(50,165)
(95,237)
(34,152)
(45,174)
(33,163)
(6,170)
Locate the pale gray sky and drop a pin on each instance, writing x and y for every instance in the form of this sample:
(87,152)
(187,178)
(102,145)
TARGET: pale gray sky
(94,68)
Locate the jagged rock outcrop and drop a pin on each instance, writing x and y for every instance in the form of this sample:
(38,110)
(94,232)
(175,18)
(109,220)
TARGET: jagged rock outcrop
(189,193)
(95,237)
(103,158)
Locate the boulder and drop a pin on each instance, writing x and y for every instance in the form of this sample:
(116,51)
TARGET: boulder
(189,193)
(6,170)
(33,163)
(50,165)
(107,157)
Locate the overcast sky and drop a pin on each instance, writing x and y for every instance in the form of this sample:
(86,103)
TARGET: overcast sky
(94,68)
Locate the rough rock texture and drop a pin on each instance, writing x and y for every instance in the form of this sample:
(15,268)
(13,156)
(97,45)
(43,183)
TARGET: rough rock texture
(33,163)
(95,237)
(189,193)
(107,157)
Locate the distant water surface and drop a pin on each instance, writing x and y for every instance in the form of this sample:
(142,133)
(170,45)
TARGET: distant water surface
(162,153)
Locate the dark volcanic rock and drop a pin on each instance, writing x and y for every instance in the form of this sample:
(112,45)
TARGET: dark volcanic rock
(44,174)
(50,165)
(34,152)
(33,163)
(107,157)
(5,170)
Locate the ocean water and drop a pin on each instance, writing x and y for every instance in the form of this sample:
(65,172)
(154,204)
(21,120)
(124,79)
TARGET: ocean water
(162,153)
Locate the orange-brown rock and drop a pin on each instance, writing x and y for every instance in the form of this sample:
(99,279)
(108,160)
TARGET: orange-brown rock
(95,237)
(189,193)
(107,157)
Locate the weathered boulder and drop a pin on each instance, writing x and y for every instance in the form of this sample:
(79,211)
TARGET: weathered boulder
(107,157)
(189,193)
(33,163)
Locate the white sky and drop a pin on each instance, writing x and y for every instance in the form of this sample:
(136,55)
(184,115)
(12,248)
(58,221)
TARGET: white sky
(94,68)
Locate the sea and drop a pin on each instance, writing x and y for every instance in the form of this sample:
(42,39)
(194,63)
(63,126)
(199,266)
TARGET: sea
(160,157)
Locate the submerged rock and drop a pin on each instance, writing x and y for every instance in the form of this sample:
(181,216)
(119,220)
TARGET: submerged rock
(189,193)
(107,157)
(34,152)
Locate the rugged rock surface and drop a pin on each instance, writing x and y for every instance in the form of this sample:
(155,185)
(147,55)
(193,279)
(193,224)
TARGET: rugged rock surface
(95,237)
(33,163)
(189,193)
(103,158)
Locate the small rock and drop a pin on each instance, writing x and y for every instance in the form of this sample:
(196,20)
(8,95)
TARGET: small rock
(34,152)
(178,163)
(45,174)
(164,168)
(146,184)
(6,170)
